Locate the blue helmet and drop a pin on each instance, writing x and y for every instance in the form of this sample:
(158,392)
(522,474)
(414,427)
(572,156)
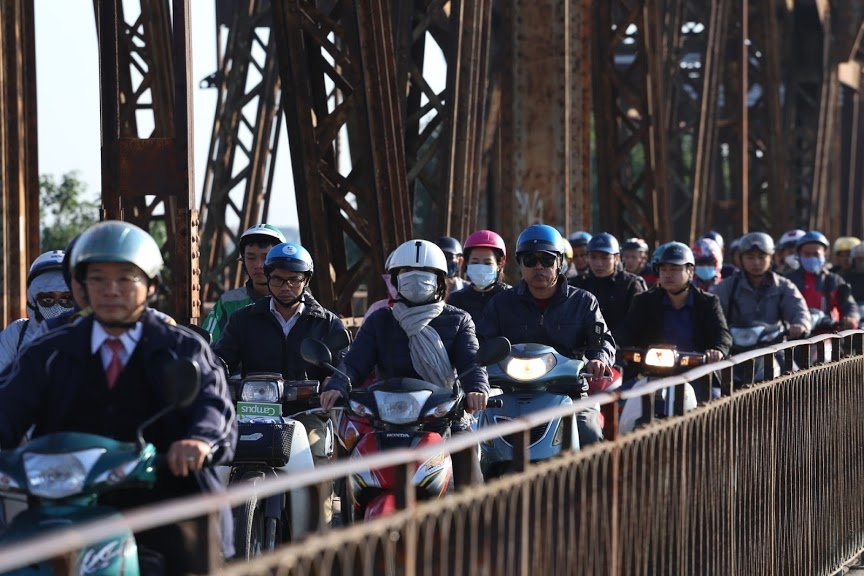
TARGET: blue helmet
(676,253)
(604,242)
(539,238)
(715,236)
(580,238)
(289,256)
(812,237)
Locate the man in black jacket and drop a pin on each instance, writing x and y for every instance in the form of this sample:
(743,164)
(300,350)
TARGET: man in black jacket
(674,312)
(613,287)
(104,375)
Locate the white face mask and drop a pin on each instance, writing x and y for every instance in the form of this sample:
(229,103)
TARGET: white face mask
(482,275)
(791,261)
(417,287)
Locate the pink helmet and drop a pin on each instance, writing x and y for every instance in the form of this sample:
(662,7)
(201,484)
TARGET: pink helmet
(485,239)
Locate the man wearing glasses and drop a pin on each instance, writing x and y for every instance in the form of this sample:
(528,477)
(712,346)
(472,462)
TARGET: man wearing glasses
(266,336)
(48,297)
(544,309)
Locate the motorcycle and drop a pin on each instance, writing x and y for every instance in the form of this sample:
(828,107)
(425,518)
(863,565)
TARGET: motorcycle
(533,377)
(654,362)
(405,413)
(64,474)
(751,336)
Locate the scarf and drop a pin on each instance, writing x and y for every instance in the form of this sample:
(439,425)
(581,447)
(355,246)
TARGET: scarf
(428,356)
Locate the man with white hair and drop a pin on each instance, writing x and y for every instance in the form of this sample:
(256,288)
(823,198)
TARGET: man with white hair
(48,296)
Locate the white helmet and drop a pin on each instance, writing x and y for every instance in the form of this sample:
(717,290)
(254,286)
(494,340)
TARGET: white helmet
(418,254)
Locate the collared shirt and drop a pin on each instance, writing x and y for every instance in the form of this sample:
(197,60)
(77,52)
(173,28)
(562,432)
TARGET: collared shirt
(678,327)
(129,339)
(289,323)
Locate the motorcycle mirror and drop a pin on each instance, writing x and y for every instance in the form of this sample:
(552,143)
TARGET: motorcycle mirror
(315,352)
(493,350)
(338,340)
(208,338)
(182,381)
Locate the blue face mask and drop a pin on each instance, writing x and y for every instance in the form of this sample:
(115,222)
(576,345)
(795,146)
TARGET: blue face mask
(812,264)
(482,275)
(706,273)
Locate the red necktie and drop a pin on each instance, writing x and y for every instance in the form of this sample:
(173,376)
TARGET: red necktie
(115,365)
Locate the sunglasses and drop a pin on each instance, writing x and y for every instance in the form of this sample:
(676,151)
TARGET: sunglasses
(546,260)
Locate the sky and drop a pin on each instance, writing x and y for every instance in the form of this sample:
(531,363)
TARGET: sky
(67,69)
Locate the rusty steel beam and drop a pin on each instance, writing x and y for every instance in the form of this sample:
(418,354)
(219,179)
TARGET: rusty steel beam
(140,174)
(352,204)
(19,170)
(629,97)
(542,67)
(240,164)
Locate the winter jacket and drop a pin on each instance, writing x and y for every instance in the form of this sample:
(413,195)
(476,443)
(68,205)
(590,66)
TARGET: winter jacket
(614,294)
(253,340)
(382,344)
(643,326)
(778,301)
(566,324)
(831,294)
(227,304)
(474,301)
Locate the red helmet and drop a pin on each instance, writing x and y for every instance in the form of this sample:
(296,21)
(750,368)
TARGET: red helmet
(485,239)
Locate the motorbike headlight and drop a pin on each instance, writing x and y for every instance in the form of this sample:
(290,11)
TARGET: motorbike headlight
(529,368)
(360,409)
(660,358)
(59,475)
(400,407)
(745,337)
(440,410)
(261,391)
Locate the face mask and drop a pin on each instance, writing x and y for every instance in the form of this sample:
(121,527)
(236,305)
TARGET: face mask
(812,264)
(792,262)
(391,290)
(452,268)
(51,311)
(482,275)
(417,287)
(706,273)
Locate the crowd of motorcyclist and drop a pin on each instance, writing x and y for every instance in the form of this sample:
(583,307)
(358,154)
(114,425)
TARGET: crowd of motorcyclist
(444,298)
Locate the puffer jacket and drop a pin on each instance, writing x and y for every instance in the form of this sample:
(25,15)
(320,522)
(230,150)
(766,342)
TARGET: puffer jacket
(474,301)
(382,344)
(253,340)
(567,323)
(779,301)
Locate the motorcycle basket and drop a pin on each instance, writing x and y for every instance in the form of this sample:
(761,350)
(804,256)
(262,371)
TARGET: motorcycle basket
(264,442)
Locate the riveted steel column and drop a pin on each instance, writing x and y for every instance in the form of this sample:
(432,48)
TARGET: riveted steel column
(19,172)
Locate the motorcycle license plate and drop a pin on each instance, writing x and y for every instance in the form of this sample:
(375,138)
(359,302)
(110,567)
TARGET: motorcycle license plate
(247,411)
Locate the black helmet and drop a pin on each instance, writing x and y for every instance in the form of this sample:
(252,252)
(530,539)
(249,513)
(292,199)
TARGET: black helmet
(449,244)
(604,242)
(759,241)
(635,244)
(673,253)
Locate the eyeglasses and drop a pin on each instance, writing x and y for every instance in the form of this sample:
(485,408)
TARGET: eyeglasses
(546,260)
(124,283)
(48,301)
(277,282)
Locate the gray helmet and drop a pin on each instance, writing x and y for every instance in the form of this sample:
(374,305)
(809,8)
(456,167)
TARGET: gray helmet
(116,241)
(673,253)
(759,241)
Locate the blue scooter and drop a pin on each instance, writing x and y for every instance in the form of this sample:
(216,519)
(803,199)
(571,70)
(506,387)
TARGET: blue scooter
(63,474)
(533,377)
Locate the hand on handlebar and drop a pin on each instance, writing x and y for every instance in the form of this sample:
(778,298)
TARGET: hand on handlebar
(848,323)
(329,399)
(797,331)
(713,356)
(187,455)
(475,401)
(598,369)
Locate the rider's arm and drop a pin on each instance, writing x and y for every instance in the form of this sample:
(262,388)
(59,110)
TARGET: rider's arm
(216,320)
(846,302)
(211,416)
(360,358)
(229,347)
(463,356)
(590,318)
(720,338)
(794,307)
(21,387)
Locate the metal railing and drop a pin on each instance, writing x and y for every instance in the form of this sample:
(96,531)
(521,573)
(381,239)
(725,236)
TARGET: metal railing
(765,480)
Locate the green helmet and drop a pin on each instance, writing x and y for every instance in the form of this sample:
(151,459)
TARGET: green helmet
(116,241)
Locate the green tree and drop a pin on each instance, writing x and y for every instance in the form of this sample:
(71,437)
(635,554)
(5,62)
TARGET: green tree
(64,206)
